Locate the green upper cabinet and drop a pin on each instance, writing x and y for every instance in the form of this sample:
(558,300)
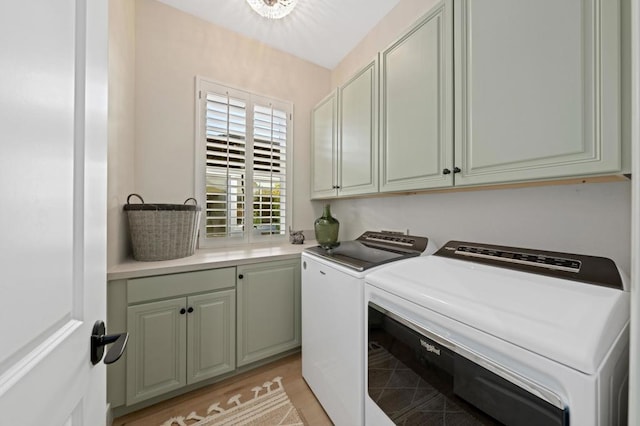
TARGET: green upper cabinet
(345,138)
(537,89)
(416,109)
(479,93)
(358,133)
(324,148)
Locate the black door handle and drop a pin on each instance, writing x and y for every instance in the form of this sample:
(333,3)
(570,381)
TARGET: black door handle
(99,340)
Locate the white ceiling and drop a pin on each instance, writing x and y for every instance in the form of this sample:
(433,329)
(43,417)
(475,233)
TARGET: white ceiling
(320,31)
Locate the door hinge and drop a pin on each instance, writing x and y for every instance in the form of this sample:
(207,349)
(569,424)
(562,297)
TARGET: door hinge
(199,94)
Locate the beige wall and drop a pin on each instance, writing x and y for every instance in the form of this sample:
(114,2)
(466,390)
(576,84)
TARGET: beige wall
(392,26)
(173,47)
(121,125)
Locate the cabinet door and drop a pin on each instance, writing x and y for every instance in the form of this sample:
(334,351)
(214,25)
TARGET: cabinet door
(156,361)
(324,148)
(210,335)
(537,89)
(268,309)
(416,105)
(358,133)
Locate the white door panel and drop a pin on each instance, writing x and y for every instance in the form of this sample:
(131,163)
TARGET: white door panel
(53,106)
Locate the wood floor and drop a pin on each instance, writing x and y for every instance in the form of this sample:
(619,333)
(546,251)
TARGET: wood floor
(290,368)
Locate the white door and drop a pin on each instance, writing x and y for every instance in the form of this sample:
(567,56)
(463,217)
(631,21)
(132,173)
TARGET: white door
(53,112)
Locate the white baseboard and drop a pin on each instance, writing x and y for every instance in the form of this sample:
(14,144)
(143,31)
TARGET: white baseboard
(109,415)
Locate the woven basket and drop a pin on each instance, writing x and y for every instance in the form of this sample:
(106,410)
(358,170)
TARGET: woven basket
(162,231)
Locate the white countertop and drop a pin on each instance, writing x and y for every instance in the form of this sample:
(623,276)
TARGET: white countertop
(207,259)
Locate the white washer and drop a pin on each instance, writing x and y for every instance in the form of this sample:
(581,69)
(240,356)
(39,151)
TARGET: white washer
(526,337)
(333,313)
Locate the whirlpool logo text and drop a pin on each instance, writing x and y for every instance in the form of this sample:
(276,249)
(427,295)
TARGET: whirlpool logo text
(429,347)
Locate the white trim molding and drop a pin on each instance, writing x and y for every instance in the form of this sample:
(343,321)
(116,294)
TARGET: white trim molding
(634,356)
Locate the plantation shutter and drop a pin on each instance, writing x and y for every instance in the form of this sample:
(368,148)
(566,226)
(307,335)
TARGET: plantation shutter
(269,170)
(226,150)
(243,151)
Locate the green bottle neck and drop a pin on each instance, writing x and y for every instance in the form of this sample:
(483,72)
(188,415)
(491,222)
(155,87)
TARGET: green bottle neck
(326,212)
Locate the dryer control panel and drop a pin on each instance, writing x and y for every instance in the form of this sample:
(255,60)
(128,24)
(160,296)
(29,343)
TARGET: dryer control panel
(576,267)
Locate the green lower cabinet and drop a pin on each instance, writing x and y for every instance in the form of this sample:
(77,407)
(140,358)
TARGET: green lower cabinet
(268,309)
(211,335)
(156,352)
(182,327)
(177,342)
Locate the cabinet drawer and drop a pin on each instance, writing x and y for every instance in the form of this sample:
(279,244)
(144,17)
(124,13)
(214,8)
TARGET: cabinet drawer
(164,286)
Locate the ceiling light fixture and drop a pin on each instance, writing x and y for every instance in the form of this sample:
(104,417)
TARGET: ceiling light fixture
(273,9)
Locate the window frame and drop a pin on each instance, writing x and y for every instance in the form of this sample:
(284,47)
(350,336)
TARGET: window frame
(249,237)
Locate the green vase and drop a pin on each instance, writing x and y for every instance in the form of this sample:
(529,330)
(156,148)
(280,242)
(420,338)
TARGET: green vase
(327,227)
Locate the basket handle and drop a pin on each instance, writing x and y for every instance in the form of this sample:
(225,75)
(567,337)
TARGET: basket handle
(131,195)
(191,198)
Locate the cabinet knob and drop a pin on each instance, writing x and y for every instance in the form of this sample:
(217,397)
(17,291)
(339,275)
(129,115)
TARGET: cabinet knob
(190,309)
(240,276)
(456,170)
(446,171)
(183,311)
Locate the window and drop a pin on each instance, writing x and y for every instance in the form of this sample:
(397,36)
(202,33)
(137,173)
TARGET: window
(242,153)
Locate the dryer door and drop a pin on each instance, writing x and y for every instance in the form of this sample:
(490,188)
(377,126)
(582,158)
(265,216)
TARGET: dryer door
(417,377)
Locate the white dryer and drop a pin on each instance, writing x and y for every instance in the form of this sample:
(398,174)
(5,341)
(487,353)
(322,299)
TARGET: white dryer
(485,334)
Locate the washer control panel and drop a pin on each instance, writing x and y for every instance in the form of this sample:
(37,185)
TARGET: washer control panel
(397,240)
